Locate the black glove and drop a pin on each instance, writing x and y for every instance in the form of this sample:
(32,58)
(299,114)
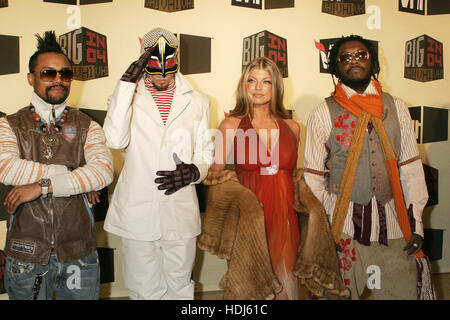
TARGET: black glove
(414,245)
(174,180)
(135,69)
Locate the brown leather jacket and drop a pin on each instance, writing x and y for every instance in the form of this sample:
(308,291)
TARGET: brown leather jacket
(64,225)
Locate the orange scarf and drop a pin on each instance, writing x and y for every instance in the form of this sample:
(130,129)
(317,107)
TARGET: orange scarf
(372,105)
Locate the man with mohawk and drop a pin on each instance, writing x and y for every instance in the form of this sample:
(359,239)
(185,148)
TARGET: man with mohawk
(52,155)
(162,122)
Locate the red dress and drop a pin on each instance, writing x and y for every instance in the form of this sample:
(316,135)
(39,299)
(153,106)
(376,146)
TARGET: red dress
(270,177)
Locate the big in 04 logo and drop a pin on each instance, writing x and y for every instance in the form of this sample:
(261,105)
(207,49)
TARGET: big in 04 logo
(344,8)
(269,45)
(424,59)
(169,5)
(88,51)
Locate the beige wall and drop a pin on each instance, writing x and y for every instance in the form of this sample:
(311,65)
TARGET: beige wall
(124,21)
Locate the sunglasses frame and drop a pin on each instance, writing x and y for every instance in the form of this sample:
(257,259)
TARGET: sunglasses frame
(352,56)
(62,74)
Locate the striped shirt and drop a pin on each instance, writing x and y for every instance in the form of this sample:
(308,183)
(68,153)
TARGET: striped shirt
(412,178)
(95,175)
(162,98)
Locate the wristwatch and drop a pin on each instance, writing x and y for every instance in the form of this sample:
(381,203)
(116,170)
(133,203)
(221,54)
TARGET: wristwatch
(45,184)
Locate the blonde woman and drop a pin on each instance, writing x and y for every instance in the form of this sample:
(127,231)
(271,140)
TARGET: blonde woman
(263,142)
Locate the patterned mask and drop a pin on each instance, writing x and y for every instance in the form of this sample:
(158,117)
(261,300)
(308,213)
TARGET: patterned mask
(164,58)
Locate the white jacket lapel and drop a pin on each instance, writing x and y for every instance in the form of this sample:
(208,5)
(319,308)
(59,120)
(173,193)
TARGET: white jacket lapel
(181,98)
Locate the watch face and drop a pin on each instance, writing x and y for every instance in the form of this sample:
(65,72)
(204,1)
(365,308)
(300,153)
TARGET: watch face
(44,182)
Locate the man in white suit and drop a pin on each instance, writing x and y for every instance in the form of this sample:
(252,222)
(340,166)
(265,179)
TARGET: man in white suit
(163,124)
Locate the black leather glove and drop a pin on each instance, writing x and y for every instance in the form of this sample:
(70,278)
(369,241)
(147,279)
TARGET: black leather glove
(176,179)
(135,69)
(414,245)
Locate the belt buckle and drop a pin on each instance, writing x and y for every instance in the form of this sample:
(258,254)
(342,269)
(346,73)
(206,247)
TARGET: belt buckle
(270,171)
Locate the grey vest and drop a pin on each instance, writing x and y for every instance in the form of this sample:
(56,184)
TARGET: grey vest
(371,176)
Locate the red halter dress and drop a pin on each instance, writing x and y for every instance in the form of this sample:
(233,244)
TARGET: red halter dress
(269,175)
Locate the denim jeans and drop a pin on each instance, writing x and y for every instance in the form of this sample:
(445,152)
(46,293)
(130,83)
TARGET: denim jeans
(76,280)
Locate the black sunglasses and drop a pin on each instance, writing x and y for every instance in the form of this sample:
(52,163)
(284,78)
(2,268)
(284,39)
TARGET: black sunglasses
(51,74)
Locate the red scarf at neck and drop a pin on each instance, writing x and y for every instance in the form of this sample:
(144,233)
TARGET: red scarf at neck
(372,104)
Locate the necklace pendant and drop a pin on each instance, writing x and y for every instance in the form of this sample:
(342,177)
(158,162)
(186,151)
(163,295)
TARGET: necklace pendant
(50,140)
(49,154)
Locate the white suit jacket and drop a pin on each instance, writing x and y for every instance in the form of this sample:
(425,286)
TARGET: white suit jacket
(138,210)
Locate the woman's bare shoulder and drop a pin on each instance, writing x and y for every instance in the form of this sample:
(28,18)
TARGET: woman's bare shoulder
(294,126)
(230,122)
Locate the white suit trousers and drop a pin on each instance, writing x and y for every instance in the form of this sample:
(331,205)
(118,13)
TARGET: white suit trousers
(159,270)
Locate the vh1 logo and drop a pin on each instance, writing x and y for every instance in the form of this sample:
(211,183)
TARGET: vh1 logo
(412,6)
(344,8)
(169,5)
(269,4)
(266,44)
(324,47)
(3,3)
(256,4)
(88,51)
(432,181)
(81,2)
(424,59)
(418,6)
(430,124)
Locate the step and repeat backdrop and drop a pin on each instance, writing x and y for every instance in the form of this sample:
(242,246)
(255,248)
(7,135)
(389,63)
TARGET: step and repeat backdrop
(217,39)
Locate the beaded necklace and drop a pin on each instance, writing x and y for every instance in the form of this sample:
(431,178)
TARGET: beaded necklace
(50,137)
(57,123)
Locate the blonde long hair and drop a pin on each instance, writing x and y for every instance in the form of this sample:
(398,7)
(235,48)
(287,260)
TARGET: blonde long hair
(244,104)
